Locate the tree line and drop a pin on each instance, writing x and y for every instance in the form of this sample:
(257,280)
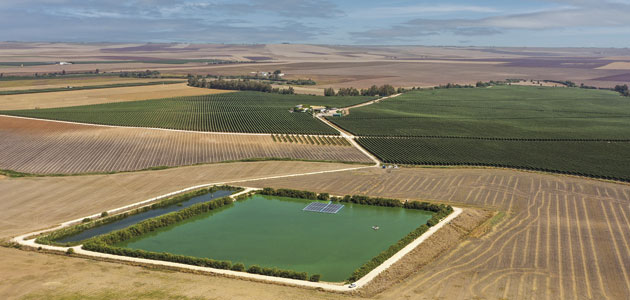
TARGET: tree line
(383,91)
(141,74)
(237,85)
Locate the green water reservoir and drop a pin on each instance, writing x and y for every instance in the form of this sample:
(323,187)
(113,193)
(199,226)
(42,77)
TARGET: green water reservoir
(275,232)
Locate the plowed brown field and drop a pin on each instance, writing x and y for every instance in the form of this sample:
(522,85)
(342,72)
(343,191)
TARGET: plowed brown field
(562,237)
(44,147)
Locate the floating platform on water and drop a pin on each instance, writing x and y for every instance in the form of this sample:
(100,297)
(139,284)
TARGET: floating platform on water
(328,208)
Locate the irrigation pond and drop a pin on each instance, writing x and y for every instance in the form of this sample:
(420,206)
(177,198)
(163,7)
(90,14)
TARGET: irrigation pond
(275,232)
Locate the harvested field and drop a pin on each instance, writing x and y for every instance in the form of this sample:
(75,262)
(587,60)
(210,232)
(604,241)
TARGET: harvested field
(12,85)
(98,96)
(562,237)
(24,208)
(44,147)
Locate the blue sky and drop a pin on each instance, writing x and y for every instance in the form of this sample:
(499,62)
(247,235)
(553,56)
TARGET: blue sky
(551,23)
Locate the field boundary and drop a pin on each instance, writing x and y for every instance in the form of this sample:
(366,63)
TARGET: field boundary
(28,240)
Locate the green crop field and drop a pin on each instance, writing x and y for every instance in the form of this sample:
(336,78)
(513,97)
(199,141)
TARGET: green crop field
(497,112)
(563,130)
(252,112)
(586,158)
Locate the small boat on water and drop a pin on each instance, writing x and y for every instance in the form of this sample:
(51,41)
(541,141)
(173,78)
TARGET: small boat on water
(375,227)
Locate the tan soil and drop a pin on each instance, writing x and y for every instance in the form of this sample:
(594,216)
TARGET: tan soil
(97,96)
(45,147)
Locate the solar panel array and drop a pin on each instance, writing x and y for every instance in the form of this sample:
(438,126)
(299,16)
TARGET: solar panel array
(328,208)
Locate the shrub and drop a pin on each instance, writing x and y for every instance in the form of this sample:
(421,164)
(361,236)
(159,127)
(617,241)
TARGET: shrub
(70,251)
(238,267)
(104,214)
(86,220)
(314,278)
(254,269)
(323,196)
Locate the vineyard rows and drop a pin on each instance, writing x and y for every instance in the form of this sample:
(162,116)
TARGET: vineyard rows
(48,147)
(250,112)
(497,112)
(312,140)
(595,159)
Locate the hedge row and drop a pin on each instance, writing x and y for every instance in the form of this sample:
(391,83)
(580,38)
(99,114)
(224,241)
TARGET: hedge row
(289,193)
(50,239)
(105,243)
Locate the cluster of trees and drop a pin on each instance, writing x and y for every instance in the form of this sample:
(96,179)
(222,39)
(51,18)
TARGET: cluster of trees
(365,200)
(568,83)
(274,78)
(289,193)
(145,74)
(238,85)
(348,92)
(623,90)
(454,86)
(383,91)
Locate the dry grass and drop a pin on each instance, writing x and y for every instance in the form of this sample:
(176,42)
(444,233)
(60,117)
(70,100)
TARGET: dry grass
(45,147)
(562,237)
(97,96)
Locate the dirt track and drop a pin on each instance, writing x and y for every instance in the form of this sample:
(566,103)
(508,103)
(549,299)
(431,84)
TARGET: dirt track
(43,147)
